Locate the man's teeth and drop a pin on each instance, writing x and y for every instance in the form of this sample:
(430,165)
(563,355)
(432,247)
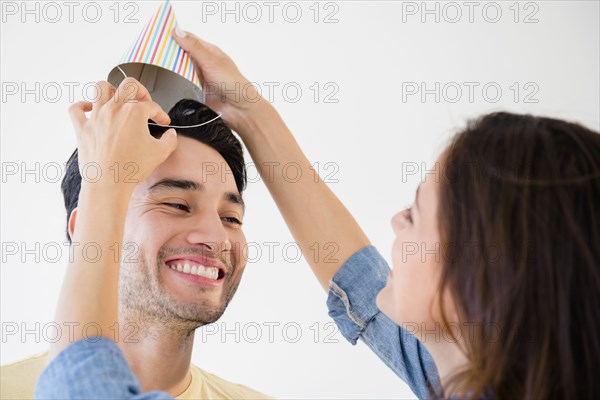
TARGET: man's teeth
(200,270)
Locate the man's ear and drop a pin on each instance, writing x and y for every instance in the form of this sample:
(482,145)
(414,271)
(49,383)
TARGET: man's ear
(72,219)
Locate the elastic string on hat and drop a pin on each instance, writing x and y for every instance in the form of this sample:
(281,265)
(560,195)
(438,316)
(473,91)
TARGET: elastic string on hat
(175,126)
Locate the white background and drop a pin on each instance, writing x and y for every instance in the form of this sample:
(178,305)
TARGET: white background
(371,52)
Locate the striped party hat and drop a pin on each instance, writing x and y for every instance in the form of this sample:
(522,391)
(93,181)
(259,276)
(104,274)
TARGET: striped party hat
(159,63)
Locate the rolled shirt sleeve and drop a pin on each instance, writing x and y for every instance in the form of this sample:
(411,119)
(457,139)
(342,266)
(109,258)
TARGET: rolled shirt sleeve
(91,368)
(351,304)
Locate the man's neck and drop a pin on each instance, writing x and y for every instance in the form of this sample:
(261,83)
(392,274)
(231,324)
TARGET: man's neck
(159,358)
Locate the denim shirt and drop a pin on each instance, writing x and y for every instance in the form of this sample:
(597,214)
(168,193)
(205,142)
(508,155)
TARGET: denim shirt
(96,368)
(351,303)
(91,368)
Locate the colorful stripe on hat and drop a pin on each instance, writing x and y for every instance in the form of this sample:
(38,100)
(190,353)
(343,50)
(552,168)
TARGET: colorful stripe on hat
(155,46)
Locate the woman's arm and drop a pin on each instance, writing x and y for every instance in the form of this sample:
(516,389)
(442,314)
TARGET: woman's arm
(87,363)
(116,133)
(351,304)
(313,213)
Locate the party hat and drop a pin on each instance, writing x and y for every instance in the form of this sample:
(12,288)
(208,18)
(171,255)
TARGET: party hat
(159,63)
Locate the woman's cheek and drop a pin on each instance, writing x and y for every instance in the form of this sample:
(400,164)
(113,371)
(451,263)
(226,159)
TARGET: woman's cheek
(397,253)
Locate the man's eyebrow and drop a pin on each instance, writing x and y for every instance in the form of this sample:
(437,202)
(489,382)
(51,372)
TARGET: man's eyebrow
(185,184)
(235,198)
(170,183)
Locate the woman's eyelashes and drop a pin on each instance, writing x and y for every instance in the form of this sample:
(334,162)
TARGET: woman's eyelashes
(407,213)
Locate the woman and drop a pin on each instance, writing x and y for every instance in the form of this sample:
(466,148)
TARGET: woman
(496,297)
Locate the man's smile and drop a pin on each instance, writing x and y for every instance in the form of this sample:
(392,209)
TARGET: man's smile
(195,269)
(198,269)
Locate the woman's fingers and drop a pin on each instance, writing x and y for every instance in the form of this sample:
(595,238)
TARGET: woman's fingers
(155,112)
(199,49)
(130,90)
(77,114)
(219,75)
(196,47)
(117,130)
(104,93)
(168,142)
(206,56)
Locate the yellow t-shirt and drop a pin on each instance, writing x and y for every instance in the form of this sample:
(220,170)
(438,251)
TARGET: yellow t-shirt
(17,381)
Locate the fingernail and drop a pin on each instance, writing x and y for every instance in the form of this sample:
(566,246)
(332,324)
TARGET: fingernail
(179,32)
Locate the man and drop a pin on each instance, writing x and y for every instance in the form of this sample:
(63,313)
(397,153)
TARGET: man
(182,256)
(269,142)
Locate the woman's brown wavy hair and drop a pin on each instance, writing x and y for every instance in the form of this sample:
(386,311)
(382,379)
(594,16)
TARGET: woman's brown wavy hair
(522,194)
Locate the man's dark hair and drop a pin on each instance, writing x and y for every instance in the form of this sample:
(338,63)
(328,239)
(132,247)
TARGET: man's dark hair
(186,112)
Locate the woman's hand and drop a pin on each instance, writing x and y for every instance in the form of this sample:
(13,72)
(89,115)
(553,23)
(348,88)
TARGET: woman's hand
(116,135)
(226,89)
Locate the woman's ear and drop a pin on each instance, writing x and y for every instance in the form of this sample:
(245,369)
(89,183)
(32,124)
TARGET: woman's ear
(72,219)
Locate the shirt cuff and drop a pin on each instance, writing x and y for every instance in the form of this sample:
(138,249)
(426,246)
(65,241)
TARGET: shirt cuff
(352,292)
(91,368)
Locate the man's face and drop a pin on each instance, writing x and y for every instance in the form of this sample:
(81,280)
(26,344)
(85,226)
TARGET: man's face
(184,247)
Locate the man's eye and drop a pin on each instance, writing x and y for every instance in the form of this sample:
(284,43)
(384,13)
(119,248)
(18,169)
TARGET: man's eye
(178,206)
(232,220)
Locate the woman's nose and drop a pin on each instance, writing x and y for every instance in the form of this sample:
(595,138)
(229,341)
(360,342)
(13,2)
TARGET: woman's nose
(398,221)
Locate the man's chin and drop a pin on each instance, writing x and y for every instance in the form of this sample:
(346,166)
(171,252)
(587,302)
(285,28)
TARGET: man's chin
(201,312)
(193,297)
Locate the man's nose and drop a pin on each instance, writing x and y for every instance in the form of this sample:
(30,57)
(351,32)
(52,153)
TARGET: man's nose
(207,229)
